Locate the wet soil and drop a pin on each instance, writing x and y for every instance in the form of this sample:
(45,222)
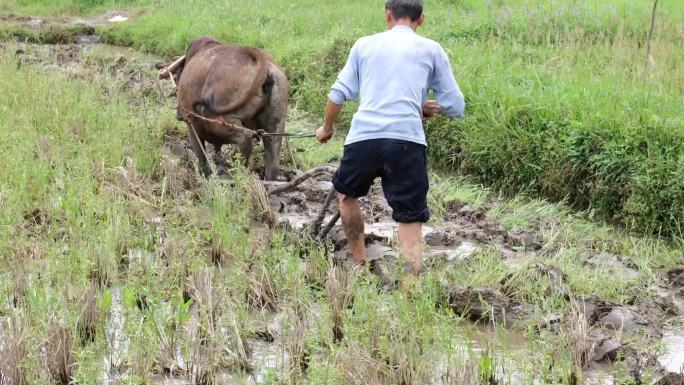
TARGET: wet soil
(111,17)
(135,72)
(465,231)
(58,30)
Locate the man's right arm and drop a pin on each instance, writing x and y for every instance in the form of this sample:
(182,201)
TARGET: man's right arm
(447,93)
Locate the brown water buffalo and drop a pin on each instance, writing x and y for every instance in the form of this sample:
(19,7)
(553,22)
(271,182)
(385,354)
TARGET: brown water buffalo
(226,93)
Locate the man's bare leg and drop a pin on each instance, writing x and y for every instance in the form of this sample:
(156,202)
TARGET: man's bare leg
(352,223)
(410,245)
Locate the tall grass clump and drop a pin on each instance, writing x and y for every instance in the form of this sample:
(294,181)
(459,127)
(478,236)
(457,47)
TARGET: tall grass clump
(581,122)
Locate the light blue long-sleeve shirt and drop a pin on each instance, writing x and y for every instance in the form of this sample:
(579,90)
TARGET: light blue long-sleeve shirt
(392,72)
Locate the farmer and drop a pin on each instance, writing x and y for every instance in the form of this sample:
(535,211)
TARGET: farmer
(392,73)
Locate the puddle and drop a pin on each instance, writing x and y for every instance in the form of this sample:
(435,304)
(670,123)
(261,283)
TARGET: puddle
(510,352)
(2,333)
(298,221)
(459,363)
(223,377)
(266,358)
(449,254)
(139,257)
(117,340)
(117,19)
(672,359)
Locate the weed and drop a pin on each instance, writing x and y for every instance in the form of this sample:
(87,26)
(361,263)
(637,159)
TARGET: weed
(260,290)
(360,367)
(102,269)
(13,352)
(340,288)
(89,320)
(295,345)
(59,359)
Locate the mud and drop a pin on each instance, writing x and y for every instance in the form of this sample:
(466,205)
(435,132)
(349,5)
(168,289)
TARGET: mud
(669,293)
(489,305)
(462,232)
(613,264)
(111,17)
(115,361)
(134,72)
(617,332)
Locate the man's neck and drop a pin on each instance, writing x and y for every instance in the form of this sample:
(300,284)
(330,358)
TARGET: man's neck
(405,22)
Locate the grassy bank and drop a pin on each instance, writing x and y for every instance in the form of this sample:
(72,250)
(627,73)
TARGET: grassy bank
(560,104)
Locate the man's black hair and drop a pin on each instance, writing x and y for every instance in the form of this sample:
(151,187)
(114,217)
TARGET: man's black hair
(405,8)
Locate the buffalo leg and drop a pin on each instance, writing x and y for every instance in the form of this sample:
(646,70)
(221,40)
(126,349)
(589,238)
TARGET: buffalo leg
(272,147)
(217,154)
(272,120)
(198,149)
(246,146)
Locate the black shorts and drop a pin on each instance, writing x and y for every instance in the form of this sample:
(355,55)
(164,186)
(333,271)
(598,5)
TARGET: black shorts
(402,165)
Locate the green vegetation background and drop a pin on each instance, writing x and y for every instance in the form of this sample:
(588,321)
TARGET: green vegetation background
(561,103)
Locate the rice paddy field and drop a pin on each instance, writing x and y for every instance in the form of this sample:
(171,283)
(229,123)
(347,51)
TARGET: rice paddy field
(555,254)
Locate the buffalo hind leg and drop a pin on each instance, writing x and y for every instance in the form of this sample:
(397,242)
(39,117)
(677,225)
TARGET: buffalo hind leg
(272,120)
(218,160)
(199,150)
(272,148)
(246,145)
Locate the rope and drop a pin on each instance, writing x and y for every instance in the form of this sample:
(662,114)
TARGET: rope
(259,134)
(262,133)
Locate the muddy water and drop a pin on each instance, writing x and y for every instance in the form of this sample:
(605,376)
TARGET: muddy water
(2,332)
(672,359)
(449,254)
(266,358)
(117,340)
(223,377)
(510,351)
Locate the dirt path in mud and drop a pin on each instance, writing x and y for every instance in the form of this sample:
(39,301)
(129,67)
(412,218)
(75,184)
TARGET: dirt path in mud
(452,239)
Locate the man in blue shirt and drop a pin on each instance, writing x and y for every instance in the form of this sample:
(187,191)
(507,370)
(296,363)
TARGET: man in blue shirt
(392,73)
